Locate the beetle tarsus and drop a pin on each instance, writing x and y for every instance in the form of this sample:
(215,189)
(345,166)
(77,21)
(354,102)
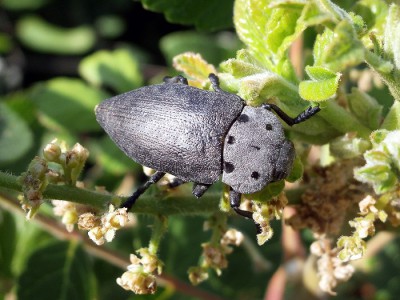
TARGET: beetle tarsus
(132,199)
(234,199)
(175,182)
(308,113)
(199,189)
(176,79)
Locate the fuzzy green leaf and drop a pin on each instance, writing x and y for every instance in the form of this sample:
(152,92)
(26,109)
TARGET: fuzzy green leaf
(391,42)
(16,137)
(392,119)
(257,88)
(338,49)
(58,271)
(205,15)
(323,85)
(268,32)
(67,104)
(118,69)
(194,66)
(297,170)
(36,33)
(271,190)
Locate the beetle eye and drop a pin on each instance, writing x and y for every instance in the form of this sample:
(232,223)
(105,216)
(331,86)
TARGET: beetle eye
(255,175)
(268,127)
(228,167)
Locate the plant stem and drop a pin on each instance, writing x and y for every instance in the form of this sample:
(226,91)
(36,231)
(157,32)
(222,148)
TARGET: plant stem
(160,203)
(342,120)
(383,68)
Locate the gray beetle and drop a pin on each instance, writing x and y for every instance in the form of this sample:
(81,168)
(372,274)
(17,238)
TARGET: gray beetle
(198,135)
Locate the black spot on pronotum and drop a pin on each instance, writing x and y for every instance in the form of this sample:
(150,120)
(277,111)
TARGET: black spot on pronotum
(268,127)
(228,167)
(255,147)
(230,140)
(255,175)
(243,118)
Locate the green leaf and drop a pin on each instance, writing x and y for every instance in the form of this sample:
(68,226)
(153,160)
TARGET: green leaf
(195,67)
(110,157)
(205,15)
(391,42)
(16,137)
(67,104)
(297,171)
(373,13)
(271,190)
(7,243)
(58,271)
(6,43)
(365,108)
(214,48)
(264,29)
(39,35)
(118,69)
(257,88)
(348,146)
(323,85)
(392,119)
(110,26)
(338,49)
(23,4)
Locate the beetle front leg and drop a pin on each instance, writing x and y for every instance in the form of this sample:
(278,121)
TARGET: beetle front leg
(234,199)
(308,113)
(132,199)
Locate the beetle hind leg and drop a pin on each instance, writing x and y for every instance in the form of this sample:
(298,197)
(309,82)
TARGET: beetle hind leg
(132,199)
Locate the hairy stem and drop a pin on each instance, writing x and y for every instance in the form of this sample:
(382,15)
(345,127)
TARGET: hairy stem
(158,204)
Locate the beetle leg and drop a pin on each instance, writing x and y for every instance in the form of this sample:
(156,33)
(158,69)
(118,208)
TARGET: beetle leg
(175,182)
(234,199)
(176,79)
(215,82)
(199,189)
(308,113)
(132,199)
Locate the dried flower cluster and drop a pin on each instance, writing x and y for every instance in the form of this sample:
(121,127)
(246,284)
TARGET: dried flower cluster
(215,252)
(34,182)
(380,171)
(72,161)
(325,204)
(263,213)
(140,277)
(103,228)
(331,269)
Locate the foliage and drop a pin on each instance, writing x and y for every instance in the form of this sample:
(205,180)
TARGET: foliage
(343,56)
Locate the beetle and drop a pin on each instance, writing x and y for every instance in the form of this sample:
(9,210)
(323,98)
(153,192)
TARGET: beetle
(197,135)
